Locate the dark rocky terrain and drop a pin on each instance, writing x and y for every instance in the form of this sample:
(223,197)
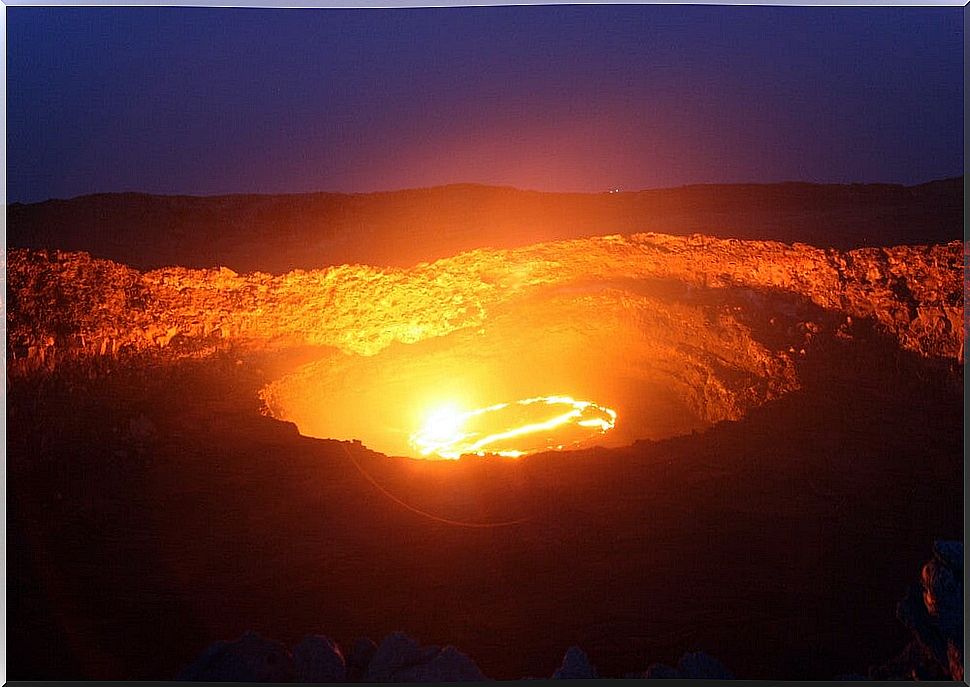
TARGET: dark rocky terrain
(155,508)
(276,234)
(153,512)
(932,611)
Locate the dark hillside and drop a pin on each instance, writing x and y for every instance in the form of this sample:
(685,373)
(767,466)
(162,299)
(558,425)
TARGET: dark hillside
(278,233)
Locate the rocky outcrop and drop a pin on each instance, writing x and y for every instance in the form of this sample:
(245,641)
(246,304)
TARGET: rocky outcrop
(933,612)
(359,658)
(400,658)
(251,658)
(317,659)
(575,666)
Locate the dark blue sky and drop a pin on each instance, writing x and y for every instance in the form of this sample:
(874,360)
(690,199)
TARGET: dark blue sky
(203,101)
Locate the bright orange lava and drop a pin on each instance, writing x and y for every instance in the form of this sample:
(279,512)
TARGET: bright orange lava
(512,429)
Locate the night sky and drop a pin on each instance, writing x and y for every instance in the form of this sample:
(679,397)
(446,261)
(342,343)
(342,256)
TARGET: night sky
(563,98)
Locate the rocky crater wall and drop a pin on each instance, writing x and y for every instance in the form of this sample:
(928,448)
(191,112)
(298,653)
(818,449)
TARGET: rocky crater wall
(70,301)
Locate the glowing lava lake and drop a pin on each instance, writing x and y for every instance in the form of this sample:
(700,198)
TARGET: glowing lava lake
(512,429)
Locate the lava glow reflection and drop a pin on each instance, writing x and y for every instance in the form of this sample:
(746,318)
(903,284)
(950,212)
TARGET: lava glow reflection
(512,429)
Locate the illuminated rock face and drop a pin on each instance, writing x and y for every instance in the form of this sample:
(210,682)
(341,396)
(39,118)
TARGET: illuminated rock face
(672,333)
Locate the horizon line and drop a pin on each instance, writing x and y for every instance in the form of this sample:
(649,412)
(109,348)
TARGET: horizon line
(482,185)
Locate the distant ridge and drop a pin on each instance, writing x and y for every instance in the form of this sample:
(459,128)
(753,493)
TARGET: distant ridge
(281,232)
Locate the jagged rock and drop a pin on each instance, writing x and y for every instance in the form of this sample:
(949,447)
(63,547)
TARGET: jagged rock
(359,658)
(450,665)
(575,666)
(942,580)
(251,658)
(317,659)
(700,666)
(401,659)
(395,652)
(954,654)
(933,612)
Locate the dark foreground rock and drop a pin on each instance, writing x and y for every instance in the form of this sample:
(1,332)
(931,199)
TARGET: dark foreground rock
(359,658)
(317,659)
(251,658)
(575,666)
(932,610)
(400,658)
